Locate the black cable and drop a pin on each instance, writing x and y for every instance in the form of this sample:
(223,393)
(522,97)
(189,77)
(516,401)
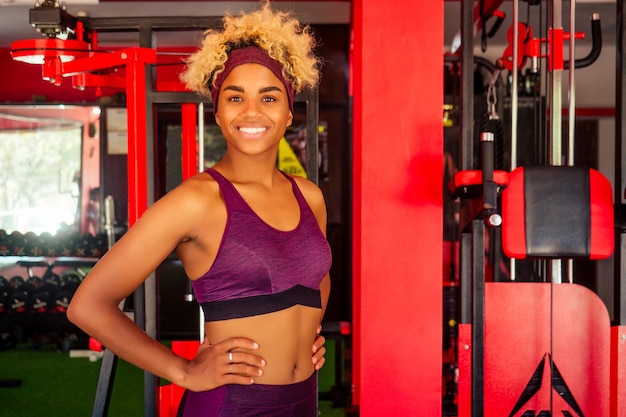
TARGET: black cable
(483,33)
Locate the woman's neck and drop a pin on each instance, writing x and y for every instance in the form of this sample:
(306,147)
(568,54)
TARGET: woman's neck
(247,170)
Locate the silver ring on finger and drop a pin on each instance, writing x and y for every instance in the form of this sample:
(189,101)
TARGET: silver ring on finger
(230,356)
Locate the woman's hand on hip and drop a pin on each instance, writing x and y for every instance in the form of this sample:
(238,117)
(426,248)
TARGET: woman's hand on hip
(319,350)
(224,363)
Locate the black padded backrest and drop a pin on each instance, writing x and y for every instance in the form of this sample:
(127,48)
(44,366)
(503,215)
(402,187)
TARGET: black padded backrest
(557,212)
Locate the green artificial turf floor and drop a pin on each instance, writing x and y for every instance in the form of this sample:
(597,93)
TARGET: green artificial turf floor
(55,385)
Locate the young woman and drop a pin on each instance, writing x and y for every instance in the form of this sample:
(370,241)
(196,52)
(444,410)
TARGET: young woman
(250,237)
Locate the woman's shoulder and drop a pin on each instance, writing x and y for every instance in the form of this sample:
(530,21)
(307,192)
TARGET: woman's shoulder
(305,184)
(310,191)
(198,192)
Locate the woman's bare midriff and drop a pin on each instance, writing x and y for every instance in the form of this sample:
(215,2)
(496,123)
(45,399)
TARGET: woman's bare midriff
(285,341)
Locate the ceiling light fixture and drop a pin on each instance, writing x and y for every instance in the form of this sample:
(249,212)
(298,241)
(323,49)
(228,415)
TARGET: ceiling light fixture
(37,51)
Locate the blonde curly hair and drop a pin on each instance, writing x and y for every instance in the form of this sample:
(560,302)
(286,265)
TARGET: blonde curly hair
(283,37)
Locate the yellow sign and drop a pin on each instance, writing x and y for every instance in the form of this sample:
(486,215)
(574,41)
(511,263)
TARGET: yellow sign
(288,161)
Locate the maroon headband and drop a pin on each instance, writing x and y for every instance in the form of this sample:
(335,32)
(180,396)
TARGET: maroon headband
(250,55)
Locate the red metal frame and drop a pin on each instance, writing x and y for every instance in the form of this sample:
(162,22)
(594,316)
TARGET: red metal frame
(189,145)
(529,47)
(133,61)
(618,372)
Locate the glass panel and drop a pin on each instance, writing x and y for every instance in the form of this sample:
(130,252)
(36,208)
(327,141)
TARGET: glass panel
(41,167)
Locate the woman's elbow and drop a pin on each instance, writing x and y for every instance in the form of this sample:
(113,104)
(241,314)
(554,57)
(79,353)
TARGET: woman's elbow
(77,311)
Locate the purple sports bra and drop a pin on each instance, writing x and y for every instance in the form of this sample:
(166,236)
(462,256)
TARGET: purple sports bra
(259,269)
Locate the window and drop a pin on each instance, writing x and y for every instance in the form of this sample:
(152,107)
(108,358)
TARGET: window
(40,169)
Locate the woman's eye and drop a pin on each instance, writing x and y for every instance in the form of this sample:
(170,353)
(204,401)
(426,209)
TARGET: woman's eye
(268,99)
(235,99)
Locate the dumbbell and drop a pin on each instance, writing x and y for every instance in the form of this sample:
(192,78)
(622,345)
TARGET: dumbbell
(16,244)
(64,244)
(44,241)
(4,282)
(19,295)
(4,243)
(101,246)
(83,244)
(51,281)
(4,294)
(36,281)
(48,244)
(40,301)
(32,244)
(4,301)
(31,283)
(71,279)
(62,300)
(19,302)
(16,281)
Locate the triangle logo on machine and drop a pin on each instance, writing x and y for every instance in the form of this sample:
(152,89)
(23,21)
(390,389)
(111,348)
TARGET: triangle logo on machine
(534,386)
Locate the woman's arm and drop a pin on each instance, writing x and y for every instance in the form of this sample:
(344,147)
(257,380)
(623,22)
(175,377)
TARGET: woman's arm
(95,305)
(319,351)
(315,199)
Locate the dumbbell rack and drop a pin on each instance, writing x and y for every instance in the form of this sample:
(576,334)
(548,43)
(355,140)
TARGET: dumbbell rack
(52,291)
(47,282)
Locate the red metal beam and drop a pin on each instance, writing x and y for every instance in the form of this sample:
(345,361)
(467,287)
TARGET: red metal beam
(618,372)
(397,207)
(189,144)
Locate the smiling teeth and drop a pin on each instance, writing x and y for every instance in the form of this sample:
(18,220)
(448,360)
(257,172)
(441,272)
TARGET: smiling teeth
(252,130)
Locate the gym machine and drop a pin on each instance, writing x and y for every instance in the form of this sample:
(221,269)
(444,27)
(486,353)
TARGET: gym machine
(540,345)
(70,49)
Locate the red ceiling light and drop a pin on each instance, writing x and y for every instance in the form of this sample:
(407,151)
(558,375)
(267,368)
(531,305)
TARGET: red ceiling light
(51,54)
(38,51)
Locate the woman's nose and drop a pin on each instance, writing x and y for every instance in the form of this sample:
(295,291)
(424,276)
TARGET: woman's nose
(252,107)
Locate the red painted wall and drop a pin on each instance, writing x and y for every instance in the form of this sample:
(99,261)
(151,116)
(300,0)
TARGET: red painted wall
(398,153)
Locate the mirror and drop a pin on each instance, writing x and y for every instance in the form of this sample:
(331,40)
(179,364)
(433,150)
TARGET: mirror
(49,169)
